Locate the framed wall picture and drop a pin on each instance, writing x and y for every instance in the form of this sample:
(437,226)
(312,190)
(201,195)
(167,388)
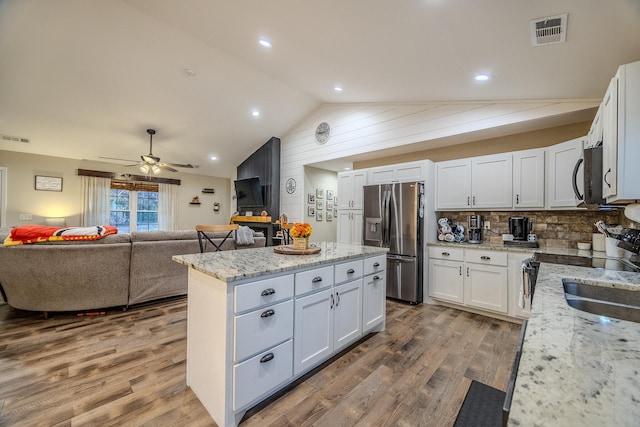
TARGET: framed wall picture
(330,204)
(319,193)
(311,199)
(329,194)
(318,215)
(319,204)
(311,211)
(329,215)
(48,183)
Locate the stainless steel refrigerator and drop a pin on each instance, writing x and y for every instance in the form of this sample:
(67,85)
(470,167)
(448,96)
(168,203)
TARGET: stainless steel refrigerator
(394,218)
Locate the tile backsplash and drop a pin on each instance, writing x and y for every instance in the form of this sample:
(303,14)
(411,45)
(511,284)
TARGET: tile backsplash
(559,229)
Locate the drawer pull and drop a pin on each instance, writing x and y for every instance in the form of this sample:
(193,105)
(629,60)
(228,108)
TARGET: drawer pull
(445,254)
(267,357)
(350,271)
(267,292)
(486,258)
(268,313)
(376,277)
(316,280)
(376,264)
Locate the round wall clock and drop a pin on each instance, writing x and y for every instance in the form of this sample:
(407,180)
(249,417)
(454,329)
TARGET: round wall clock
(291,185)
(323,132)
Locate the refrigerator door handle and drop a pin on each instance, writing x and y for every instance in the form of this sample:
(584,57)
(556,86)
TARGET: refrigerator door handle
(400,258)
(386,230)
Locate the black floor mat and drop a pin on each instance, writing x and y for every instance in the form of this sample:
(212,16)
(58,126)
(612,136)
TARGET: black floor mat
(482,407)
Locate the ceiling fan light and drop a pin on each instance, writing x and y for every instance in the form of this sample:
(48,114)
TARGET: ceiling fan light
(144,169)
(156,170)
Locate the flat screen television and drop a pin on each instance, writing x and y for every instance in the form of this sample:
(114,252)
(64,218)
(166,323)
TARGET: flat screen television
(249,193)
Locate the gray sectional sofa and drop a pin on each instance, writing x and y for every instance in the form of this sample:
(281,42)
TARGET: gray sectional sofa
(117,270)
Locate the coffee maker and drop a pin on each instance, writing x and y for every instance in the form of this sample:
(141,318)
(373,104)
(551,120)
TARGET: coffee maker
(474,227)
(520,227)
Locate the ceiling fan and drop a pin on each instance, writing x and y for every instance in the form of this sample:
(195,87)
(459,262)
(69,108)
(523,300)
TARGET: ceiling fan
(151,163)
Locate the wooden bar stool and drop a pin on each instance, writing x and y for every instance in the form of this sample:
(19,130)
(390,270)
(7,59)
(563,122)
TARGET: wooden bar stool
(286,235)
(203,229)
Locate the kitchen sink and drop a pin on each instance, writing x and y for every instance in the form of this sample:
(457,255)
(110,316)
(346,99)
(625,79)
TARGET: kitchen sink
(618,303)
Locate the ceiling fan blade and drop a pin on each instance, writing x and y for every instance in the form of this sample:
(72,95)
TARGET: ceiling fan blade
(150,158)
(178,165)
(115,158)
(165,167)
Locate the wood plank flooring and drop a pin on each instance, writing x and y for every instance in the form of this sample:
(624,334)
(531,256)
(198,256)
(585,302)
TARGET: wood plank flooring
(128,369)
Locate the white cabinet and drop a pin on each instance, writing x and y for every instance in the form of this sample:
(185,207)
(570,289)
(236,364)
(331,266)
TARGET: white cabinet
(519,304)
(350,189)
(469,277)
(453,184)
(621,136)
(347,326)
(477,183)
(528,179)
(373,293)
(594,137)
(561,161)
(314,329)
(491,181)
(402,172)
(349,226)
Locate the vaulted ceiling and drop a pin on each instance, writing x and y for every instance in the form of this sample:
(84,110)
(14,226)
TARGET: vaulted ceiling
(85,78)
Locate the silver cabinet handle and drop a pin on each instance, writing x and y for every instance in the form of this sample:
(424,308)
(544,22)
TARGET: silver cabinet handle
(461,270)
(267,292)
(332,301)
(350,271)
(468,201)
(337,299)
(268,313)
(605,178)
(376,277)
(474,200)
(376,264)
(467,271)
(267,357)
(517,199)
(317,279)
(445,254)
(486,258)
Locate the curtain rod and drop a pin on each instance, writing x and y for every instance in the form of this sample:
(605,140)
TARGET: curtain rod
(128,177)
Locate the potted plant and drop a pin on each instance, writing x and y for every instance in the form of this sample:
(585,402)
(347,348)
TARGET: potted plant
(300,233)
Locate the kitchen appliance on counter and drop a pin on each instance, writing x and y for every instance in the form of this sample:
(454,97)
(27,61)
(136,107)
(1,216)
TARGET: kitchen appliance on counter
(474,227)
(394,218)
(520,228)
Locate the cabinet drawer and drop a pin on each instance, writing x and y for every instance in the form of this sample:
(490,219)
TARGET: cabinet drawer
(348,271)
(263,328)
(261,374)
(375,264)
(313,280)
(446,252)
(262,292)
(486,257)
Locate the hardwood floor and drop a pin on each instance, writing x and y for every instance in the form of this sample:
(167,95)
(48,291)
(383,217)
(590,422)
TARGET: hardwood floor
(128,369)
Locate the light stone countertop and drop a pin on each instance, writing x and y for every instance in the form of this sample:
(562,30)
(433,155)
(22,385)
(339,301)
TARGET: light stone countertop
(242,264)
(577,368)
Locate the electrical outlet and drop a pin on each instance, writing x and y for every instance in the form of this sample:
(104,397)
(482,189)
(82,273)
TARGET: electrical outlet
(26,217)
(487,225)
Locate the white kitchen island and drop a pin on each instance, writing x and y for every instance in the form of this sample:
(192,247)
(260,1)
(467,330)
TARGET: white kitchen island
(258,320)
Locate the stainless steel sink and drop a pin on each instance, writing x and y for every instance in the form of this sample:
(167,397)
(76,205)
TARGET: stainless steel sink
(604,301)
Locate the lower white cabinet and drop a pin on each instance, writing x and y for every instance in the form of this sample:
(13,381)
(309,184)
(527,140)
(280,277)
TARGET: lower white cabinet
(374,292)
(347,311)
(469,277)
(314,329)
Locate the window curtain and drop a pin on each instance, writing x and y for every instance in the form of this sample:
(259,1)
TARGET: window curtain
(96,198)
(167,206)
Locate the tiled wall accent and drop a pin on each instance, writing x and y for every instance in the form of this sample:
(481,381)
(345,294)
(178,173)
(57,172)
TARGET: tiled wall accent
(560,229)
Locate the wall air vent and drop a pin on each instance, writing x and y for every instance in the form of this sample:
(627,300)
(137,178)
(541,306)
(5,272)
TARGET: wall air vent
(549,30)
(10,138)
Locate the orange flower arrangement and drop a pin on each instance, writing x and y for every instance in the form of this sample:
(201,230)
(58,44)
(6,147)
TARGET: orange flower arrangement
(301,229)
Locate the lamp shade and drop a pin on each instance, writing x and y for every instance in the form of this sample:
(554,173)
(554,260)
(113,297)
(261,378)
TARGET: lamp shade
(56,221)
(145,168)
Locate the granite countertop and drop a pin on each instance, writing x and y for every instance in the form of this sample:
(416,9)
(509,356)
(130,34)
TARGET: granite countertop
(577,368)
(241,264)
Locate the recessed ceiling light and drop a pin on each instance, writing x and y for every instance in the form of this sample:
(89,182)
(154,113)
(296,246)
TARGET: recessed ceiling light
(213,158)
(264,42)
(482,77)
(347,169)
(255,113)
(190,72)
(338,88)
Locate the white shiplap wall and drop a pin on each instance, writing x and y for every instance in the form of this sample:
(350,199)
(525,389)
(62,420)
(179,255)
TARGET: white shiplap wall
(363,128)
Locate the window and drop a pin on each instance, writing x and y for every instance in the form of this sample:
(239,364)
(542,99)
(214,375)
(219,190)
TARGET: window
(134,206)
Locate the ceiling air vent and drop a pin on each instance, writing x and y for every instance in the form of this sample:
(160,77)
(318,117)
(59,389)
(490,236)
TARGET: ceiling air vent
(549,30)
(14,138)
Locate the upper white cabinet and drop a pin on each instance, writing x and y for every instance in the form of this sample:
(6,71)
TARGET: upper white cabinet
(562,159)
(477,183)
(528,179)
(403,172)
(595,131)
(350,189)
(621,136)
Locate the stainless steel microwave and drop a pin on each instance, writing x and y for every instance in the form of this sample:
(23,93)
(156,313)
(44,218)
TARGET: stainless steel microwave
(592,161)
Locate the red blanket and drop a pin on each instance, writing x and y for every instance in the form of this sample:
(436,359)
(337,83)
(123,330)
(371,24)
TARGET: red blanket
(42,233)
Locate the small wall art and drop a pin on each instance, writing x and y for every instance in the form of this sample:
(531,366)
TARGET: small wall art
(329,194)
(311,199)
(329,215)
(319,204)
(330,204)
(319,193)
(311,211)
(48,183)
(319,215)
